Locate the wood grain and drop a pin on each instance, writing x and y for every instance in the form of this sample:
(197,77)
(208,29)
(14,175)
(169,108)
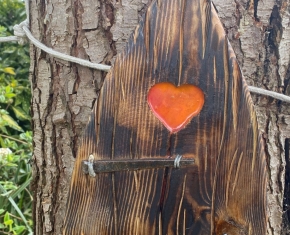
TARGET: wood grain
(182,42)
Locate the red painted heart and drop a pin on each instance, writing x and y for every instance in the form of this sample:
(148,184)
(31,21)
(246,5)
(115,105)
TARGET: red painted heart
(175,106)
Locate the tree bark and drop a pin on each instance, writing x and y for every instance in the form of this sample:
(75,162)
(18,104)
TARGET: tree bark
(259,33)
(64,93)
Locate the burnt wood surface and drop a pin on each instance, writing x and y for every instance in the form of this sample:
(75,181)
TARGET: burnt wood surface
(224,192)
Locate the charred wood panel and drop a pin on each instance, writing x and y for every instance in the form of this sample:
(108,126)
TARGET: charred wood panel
(182,42)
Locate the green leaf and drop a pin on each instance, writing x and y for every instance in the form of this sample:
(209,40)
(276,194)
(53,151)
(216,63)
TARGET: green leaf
(6,217)
(19,229)
(14,92)
(9,164)
(13,203)
(8,89)
(10,95)
(1,211)
(8,222)
(3,111)
(20,189)
(9,70)
(11,122)
(2,98)
(3,130)
(4,202)
(2,144)
(20,113)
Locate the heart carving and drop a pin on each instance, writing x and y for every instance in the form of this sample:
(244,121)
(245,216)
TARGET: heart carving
(175,106)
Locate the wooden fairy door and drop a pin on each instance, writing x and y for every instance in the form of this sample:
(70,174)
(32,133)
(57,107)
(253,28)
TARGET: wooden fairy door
(223,191)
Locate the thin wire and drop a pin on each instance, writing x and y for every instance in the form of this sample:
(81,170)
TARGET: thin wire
(22,31)
(91,166)
(27,9)
(177,161)
(62,56)
(9,39)
(269,93)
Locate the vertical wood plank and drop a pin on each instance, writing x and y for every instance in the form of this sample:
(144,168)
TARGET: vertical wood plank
(182,42)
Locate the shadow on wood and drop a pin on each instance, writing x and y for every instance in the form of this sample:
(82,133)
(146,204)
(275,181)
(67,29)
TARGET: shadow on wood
(224,192)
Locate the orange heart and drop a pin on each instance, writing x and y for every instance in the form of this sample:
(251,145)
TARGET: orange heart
(175,106)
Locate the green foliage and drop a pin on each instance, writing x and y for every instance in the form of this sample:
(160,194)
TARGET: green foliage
(15,128)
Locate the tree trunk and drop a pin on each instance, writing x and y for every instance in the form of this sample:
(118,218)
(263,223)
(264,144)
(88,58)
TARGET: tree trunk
(64,93)
(260,34)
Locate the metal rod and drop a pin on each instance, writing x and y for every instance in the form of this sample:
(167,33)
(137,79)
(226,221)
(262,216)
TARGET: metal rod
(101,166)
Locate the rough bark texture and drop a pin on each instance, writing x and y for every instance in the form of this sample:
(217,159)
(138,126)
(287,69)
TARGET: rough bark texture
(64,93)
(260,34)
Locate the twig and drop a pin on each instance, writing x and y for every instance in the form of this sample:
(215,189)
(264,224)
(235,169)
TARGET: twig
(9,137)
